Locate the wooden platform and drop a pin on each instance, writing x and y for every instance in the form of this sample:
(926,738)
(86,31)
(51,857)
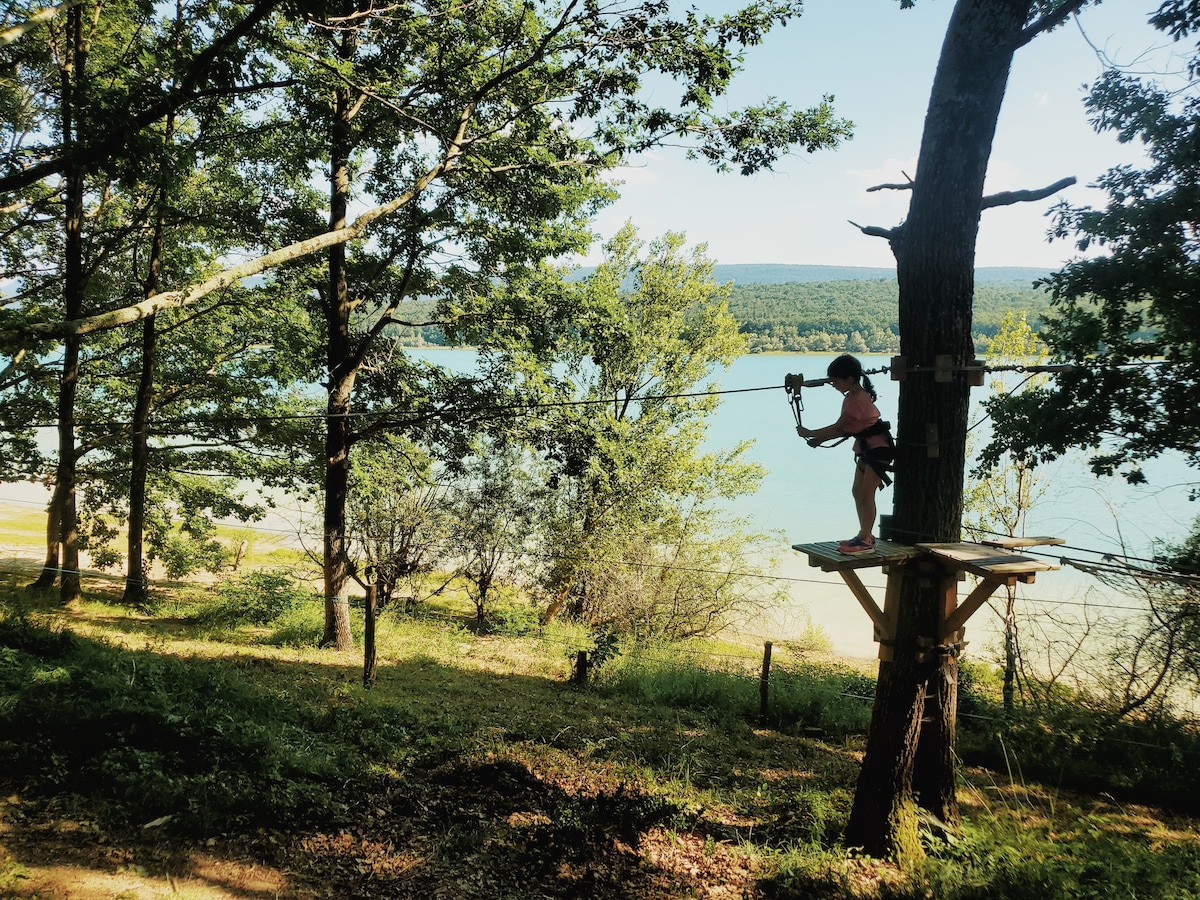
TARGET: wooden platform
(1011,543)
(992,562)
(825,555)
(989,562)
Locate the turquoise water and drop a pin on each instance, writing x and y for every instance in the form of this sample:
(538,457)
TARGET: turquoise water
(807,491)
(805,498)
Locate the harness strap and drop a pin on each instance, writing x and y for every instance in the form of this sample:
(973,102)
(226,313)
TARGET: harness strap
(881,458)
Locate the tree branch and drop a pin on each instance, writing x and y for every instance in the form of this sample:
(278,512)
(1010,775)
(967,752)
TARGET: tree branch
(188,296)
(875,231)
(906,186)
(41,17)
(1008,198)
(1050,20)
(196,75)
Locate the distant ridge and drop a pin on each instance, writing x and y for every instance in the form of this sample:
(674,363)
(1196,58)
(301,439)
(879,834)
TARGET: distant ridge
(779,273)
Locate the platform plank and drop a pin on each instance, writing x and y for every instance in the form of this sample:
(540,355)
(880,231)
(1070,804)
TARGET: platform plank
(824,555)
(1010,543)
(986,562)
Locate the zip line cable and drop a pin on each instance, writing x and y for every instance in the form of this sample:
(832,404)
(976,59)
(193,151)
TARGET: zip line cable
(510,407)
(502,408)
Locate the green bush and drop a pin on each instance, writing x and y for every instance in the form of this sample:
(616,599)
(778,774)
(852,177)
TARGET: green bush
(183,554)
(255,598)
(514,618)
(824,699)
(1081,743)
(301,626)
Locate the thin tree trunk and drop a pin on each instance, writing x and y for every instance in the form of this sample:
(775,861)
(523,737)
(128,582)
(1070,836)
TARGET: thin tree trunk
(557,603)
(1010,653)
(50,568)
(369,658)
(935,262)
(137,587)
(336,559)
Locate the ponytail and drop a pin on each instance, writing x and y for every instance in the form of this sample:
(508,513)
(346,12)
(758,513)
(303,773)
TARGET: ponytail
(846,366)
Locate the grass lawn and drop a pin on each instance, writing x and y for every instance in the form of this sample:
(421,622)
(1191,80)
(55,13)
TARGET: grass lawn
(180,750)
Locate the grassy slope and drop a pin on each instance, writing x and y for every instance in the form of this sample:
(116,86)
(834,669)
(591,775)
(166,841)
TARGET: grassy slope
(163,750)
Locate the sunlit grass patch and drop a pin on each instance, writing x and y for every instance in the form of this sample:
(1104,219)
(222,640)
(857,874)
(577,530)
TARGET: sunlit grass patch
(230,722)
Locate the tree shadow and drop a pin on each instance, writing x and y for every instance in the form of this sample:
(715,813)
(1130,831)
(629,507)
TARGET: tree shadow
(499,785)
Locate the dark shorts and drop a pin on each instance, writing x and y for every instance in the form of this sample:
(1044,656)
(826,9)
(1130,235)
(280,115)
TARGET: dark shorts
(879,459)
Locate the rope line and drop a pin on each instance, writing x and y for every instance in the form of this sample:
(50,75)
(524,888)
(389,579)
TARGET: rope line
(550,404)
(780,666)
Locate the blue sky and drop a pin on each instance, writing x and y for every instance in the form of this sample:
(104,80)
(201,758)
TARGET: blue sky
(878,62)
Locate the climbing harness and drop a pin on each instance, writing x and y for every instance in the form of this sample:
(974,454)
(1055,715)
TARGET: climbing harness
(879,458)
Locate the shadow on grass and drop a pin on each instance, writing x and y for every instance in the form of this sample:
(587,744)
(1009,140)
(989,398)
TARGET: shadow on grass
(445,776)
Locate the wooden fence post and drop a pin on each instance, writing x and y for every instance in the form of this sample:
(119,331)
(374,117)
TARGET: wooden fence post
(764,682)
(581,668)
(369,637)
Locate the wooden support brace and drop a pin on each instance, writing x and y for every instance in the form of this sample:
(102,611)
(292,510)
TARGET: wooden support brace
(882,626)
(891,608)
(958,618)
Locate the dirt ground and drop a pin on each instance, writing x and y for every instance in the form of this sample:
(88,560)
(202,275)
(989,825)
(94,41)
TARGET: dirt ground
(492,829)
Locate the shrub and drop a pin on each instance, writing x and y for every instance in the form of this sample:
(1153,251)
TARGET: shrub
(514,619)
(255,598)
(301,626)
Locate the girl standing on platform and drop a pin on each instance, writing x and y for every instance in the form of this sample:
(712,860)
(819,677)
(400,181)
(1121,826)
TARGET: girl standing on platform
(873,444)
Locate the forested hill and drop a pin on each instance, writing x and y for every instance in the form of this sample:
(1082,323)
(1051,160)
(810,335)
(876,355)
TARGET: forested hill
(858,316)
(778,273)
(828,309)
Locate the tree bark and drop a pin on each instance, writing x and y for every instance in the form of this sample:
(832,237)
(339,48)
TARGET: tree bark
(342,368)
(136,587)
(73,287)
(369,657)
(935,266)
(49,574)
(1010,654)
(136,582)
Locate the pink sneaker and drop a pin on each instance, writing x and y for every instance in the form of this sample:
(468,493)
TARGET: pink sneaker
(857,545)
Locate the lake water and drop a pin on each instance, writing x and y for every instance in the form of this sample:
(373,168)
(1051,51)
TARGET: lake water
(805,498)
(806,495)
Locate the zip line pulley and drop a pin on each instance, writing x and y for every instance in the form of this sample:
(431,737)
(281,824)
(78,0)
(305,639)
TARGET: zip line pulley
(793,384)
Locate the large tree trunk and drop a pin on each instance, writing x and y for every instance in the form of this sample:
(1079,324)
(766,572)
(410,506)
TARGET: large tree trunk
(935,263)
(73,287)
(342,368)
